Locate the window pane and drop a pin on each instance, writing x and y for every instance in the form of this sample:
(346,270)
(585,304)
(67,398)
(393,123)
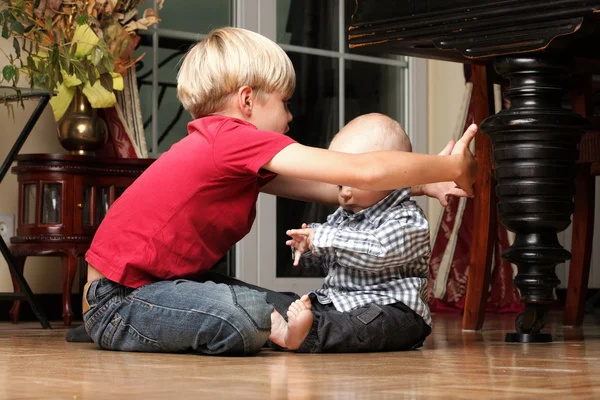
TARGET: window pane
(102,203)
(172,124)
(374,88)
(315,110)
(86,200)
(197,16)
(308,23)
(29,206)
(51,203)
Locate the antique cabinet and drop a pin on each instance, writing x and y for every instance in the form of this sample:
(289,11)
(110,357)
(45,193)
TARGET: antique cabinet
(62,200)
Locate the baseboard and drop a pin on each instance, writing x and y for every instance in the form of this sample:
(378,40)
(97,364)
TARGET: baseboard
(51,305)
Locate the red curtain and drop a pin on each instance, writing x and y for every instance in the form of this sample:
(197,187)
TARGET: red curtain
(119,144)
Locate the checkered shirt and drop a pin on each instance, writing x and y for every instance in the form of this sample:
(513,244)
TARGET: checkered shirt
(377,255)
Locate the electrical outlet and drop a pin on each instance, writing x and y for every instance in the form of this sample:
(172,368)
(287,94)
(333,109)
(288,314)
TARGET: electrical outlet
(7,227)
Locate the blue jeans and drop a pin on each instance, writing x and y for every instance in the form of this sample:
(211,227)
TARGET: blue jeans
(178,316)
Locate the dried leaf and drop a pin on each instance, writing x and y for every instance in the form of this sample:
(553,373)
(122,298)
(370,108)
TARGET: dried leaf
(99,96)
(17,27)
(106,80)
(17,47)
(79,70)
(82,20)
(20,5)
(5,33)
(128,16)
(110,6)
(91,73)
(30,63)
(96,56)
(54,55)
(73,50)
(61,101)
(90,6)
(9,72)
(11,109)
(150,17)
(86,39)
(41,67)
(47,8)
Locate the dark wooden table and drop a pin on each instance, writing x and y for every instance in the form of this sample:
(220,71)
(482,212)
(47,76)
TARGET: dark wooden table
(533,45)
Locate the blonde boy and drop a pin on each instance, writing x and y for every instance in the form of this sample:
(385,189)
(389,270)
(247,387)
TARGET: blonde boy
(148,287)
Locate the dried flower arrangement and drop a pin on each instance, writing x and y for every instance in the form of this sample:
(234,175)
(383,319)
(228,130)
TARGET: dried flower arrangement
(69,45)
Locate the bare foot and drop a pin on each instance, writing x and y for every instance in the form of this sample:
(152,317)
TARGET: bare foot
(292,333)
(300,319)
(279,328)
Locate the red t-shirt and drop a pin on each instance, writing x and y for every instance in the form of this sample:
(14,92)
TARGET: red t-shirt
(189,207)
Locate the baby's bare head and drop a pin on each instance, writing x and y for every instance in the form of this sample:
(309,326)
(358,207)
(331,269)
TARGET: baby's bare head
(371,132)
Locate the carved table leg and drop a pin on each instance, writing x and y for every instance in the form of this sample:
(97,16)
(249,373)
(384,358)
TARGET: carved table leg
(69,267)
(535,149)
(15,310)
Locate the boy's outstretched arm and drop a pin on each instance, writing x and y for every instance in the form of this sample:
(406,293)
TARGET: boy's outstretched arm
(380,170)
(302,189)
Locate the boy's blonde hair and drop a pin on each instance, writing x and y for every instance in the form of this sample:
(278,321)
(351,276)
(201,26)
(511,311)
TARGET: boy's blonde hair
(227,59)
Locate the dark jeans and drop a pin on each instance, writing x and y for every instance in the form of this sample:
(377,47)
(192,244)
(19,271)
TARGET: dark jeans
(222,315)
(371,328)
(392,327)
(178,316)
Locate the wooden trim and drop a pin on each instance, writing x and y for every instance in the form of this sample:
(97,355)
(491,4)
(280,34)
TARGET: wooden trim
(485,221)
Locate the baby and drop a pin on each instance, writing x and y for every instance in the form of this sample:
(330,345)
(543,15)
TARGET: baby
(375,250)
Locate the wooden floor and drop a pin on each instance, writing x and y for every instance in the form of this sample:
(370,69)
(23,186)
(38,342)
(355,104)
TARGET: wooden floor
(36,364)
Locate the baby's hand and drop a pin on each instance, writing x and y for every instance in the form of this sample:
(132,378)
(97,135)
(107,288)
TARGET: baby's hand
(443,190)
(301,241)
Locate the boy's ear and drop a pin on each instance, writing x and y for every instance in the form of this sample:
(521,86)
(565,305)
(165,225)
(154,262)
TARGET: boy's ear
(246,100)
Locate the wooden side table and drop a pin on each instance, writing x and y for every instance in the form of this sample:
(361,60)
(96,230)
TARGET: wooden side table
(62,200)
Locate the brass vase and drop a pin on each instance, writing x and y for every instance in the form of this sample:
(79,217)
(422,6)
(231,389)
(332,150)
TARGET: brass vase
(81,130)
